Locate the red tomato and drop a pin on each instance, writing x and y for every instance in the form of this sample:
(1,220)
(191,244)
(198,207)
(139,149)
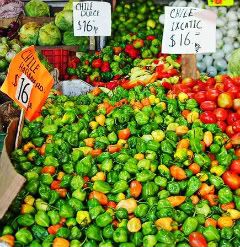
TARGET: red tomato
(236,126)
(212,94)
(232,117)
(211,82)
(221,114)
(236,80)
(201,86)
(196,239)
(225,100)
(208,117)
(188,82)
(228,83)
(200,97)
(191,95)
(222,125)
(208,105)
(231,179)
(233,91)
(219,86)
(229,131)
(196,88)
(236,104)
(235,166)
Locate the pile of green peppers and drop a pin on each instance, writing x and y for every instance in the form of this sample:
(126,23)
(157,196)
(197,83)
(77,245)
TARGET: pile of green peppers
(82,199)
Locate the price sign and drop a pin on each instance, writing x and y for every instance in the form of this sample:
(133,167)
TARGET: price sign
(220,2)
(28,82)
(189,31)
(92,18)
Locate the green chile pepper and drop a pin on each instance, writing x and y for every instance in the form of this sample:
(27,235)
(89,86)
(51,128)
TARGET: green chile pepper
(94,232)
(50,129)
(66,211)
(227,233)
(120,186)
(63,232)
(193,185)
(102,186)
(120,235)
(108,231)
(122,213)
(149,241)
(164,236)
(216,181)
(225,195)
(42,219)
(137,239)
(149,228)
(23,236)
(95,211)
(145,176)
(173,188)
(25,220)
(104,219)
(189,225)
(211,233)
(75,233)
(141,210)
(179,216)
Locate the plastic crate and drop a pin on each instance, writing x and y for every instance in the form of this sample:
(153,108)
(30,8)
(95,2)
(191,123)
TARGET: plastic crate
(59,59)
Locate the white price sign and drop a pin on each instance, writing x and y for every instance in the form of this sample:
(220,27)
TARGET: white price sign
(189,31)
(92,18)
(24,89)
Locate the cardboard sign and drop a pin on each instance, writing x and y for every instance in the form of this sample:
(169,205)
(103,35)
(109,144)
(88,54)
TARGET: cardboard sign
(189,31)
(75,87)
(92,18)
(10,181)
(28,82)
(220,2)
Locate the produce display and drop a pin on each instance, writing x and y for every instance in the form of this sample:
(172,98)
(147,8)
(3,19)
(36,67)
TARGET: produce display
(228,38)
(135,17)
(147,158)
(136,166)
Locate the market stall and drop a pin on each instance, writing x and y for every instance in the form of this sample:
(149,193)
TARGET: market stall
(126,145)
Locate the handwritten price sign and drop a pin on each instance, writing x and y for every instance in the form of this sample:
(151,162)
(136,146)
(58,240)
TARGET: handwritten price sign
(92,18)
(28,82)
(189,31)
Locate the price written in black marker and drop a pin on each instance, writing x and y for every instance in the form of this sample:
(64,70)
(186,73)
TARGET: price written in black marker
(24,89)
(87,26)
(186,29)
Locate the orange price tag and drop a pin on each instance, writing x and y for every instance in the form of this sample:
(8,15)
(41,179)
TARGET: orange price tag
(28,82)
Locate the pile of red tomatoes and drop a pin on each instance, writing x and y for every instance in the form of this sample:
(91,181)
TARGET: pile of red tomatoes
(219,100)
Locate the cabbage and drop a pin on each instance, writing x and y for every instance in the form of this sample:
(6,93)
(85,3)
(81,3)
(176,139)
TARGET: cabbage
(36,8)
(64,20)
(49,34)
(10,55)
(3,50)
(70,39)
(234,63)
(28,34)
(68,6)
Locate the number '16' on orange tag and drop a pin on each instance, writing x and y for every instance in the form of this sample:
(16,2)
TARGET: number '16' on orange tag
(28,82)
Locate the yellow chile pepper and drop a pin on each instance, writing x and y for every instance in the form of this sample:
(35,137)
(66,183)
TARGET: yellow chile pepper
(202,176)
(99,176)
(29,200)
(172,126)
(139,156)
(130,204)
(182,97)
(158,135)
(134,225)
(157,100)
(121,142)
(86,150)
(93,125)
(83,218)
(27,209)
(208,138)
(163,168)
(218,170)
(120,197)
(234,214)
(164,223)
(27,147)
(110,211)
(181,130)
(192,117)
(152,99)
(163,105)
(100,119)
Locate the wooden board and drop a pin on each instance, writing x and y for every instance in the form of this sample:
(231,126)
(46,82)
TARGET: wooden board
(25,19)
(189,66)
